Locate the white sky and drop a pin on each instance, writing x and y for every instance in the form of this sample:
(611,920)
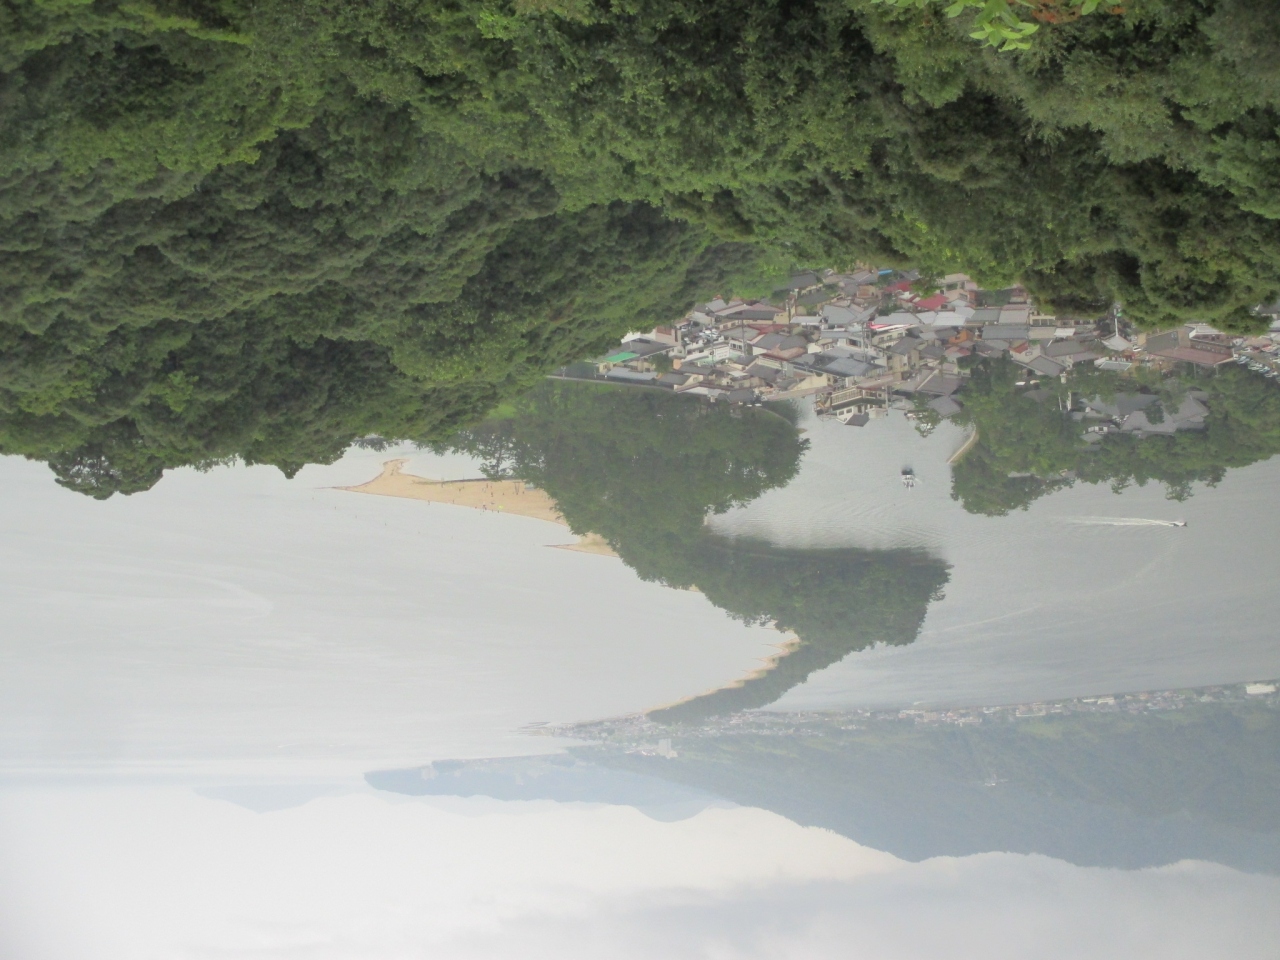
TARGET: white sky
(162,874)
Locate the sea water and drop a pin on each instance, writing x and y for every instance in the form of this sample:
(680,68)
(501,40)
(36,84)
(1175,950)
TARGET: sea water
(1086,592)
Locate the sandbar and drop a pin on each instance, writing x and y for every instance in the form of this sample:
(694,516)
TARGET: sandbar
(767,664)
(499,496)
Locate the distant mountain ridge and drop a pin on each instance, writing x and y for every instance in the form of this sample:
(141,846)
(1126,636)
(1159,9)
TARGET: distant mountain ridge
(1101,790)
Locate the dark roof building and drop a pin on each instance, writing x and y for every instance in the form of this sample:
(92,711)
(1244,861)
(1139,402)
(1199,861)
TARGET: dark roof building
(1006,331)
(1044,366)
(1180,345)
(944,406)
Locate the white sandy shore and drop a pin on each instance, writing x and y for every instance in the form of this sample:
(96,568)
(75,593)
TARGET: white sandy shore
(500,496)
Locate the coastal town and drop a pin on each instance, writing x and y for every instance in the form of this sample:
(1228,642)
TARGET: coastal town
(640,735)
(867,341)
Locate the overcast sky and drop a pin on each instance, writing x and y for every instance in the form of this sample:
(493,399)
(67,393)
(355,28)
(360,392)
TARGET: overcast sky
(163,874)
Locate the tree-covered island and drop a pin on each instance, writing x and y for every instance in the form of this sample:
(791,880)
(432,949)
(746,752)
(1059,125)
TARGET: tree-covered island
(643,469)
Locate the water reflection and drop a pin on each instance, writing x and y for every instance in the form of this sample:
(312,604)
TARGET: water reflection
(317,235)
(914,792)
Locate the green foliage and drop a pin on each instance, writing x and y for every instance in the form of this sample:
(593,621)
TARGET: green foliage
(287,365)
(834,601)
(640,468)
(995,24)
(199,199)
(643,469)
(1028,446)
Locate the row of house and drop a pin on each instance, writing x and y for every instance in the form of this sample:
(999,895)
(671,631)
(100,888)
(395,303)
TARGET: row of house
(859,342)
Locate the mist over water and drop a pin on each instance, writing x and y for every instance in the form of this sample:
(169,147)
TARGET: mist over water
(265,665)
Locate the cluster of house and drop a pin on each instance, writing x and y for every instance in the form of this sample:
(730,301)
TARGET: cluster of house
(636,733)
(862,342)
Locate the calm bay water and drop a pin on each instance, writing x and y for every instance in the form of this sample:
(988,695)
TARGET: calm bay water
(1068,598)
(237,623)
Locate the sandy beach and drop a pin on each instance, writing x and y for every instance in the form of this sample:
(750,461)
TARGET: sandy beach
(767,664)
(499,496)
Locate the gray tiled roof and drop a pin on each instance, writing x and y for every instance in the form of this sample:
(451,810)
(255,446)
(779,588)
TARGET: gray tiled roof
(1006,331)
(928,332)
(838,314)
(933,351)
(1123,405)
(848,367)
(944,385)
(1044,366)
(944,406)
(904,346)
(769,341)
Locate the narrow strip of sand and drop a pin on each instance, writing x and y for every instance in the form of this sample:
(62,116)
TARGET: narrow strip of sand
(767,664)
(964,448)
(499,496)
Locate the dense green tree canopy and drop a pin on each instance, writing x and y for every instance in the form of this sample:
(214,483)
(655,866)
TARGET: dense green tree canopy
(292,379)
(259,227)
(644,469)
(1029,446)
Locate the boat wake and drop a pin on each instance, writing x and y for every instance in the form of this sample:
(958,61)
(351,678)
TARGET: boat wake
(1125,522)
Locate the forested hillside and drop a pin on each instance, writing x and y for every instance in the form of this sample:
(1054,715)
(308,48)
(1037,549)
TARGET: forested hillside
(260,228)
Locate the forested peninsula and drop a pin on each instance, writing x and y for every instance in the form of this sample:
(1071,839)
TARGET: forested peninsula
(260,229)
(644,469)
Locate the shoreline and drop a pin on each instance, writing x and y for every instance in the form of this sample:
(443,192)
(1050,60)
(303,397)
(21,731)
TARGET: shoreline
(964,448)
(491,496)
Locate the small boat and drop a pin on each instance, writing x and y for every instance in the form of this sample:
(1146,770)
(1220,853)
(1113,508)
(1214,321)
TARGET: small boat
(908,478)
